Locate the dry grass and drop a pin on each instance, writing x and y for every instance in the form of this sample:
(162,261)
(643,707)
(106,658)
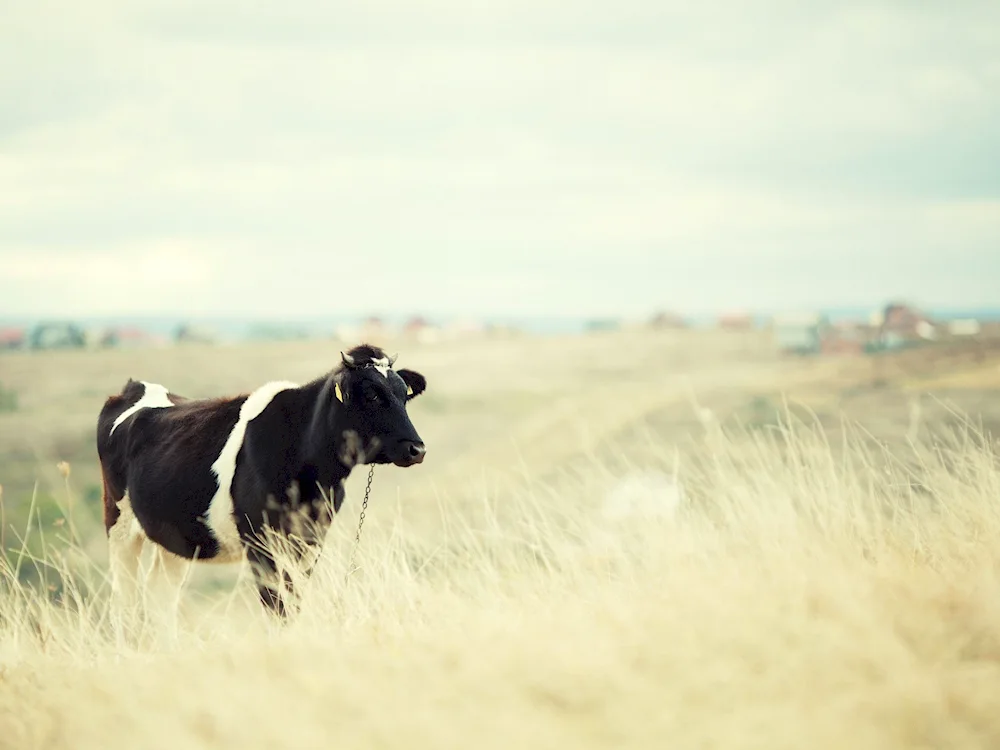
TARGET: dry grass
(803,595)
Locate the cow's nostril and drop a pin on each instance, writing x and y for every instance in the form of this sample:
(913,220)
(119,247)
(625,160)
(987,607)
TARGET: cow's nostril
(417,449)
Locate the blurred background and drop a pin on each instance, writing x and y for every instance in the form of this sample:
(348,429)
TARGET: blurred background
(699,209)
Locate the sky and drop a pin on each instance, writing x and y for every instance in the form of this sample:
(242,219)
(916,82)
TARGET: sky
(534,157)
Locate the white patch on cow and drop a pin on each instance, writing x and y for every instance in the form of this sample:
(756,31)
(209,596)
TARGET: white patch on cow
(154,396)
(382,365)
(220,518)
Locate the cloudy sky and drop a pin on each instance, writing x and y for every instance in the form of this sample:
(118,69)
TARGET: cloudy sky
(530,157)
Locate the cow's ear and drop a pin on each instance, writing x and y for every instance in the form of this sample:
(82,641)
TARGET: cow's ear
(415,382)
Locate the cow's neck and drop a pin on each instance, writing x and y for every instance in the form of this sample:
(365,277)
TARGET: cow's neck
(325,445)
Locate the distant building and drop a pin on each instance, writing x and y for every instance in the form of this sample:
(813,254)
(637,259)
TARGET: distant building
(421,329)
(464,328)
(801,333)
(736,321)
(57,336)
(846,338)
(900,325)
(415,325)
(13,338)
(128,337)
(667,320)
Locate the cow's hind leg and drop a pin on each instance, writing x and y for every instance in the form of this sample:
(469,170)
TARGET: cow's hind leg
(165,580)
(125,542)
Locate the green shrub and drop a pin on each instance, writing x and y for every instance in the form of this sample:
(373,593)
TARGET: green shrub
(8,399)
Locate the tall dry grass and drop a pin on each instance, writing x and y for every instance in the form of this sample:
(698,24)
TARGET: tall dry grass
(802,595)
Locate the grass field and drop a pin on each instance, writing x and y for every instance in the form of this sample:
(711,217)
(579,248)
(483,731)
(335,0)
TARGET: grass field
(828,578)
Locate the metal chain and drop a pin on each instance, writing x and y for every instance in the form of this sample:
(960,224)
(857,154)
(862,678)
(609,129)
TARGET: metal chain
(361,522)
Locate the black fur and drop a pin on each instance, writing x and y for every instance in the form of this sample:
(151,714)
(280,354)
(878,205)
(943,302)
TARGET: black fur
(304,442)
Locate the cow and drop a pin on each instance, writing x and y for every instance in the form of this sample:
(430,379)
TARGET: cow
(203,479)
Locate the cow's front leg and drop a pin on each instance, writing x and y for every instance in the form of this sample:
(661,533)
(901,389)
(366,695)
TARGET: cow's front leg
(265,572)
(288,537)
(258,537)
(270,550)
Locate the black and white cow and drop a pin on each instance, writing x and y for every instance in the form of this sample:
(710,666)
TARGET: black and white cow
(202,478)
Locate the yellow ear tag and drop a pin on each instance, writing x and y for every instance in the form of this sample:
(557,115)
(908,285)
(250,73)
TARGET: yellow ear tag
(409,391)
(340,395)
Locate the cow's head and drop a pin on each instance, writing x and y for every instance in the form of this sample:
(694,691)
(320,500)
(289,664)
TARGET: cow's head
(371,410)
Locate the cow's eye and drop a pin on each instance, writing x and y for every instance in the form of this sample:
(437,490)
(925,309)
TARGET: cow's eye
(373,396)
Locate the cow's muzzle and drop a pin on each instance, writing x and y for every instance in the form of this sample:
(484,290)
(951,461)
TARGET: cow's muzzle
(409,452)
